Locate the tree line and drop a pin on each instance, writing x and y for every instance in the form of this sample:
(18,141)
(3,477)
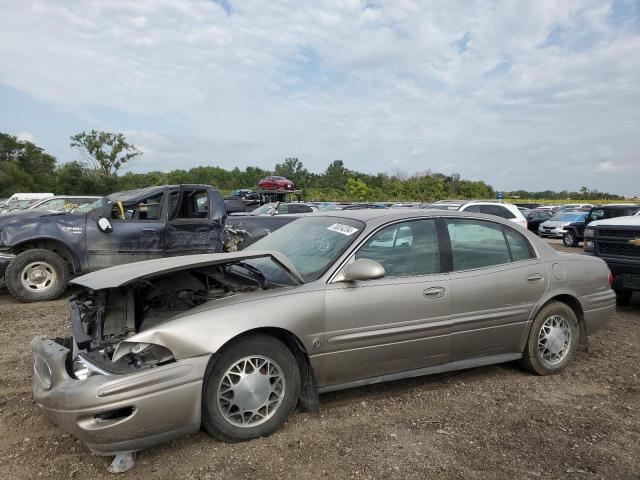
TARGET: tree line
(25,167)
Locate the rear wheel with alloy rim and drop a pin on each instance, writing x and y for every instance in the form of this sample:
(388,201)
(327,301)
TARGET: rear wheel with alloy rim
(250,389)
(553,339)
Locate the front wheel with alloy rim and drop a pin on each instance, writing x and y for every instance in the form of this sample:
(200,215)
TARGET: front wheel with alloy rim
(36,275)
(569,239)
(250,389)
(553,339)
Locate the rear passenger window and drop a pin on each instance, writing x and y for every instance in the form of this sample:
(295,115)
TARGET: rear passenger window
(520,246)
(476,244)
(496,210)
(405,249)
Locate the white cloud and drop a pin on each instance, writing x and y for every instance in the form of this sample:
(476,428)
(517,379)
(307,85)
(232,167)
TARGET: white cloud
(26,137)
(356,80)
(608,167)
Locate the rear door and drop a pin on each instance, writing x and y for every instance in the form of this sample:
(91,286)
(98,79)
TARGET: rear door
(495,284)
(138,231)
(396,323)
(195,223)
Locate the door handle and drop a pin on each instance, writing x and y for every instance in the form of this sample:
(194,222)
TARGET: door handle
(535,278)
(434,292)
(149,230)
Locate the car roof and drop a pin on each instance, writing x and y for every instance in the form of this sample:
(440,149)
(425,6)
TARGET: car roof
(386,214)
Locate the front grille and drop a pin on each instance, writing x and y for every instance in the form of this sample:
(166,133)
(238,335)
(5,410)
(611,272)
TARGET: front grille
(619,249)
(619,233)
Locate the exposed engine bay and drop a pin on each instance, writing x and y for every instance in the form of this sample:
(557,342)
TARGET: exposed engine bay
(102,319)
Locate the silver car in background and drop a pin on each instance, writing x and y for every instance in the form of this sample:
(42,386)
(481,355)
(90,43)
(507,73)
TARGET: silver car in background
(232,342)
(554,227)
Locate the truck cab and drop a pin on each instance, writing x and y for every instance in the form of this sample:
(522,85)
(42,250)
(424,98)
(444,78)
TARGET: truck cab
(40,251)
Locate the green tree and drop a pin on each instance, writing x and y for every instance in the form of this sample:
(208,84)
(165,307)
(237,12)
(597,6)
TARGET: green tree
(294,170)
(24,167)
(105,151)
(356,189)
(335,176)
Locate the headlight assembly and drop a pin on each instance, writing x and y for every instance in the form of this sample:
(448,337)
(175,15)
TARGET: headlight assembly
(589,232)
(83,368)
(142,353)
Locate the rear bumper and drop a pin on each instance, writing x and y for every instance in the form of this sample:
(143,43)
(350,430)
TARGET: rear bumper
(118,413)
(599,308)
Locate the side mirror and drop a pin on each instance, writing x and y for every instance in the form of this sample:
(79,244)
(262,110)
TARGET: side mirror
(363,269)
(104,225)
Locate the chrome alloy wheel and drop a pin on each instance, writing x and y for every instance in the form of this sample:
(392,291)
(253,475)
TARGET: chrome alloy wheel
(251,391)
(38,276)
(554,340)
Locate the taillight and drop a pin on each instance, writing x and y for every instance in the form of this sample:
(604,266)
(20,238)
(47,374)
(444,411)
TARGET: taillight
(610,278)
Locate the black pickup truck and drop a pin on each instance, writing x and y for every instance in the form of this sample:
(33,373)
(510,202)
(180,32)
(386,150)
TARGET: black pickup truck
(40,250)
(575,231)
(617,242)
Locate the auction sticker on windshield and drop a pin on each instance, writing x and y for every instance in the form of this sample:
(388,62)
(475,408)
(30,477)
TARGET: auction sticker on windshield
(343,229)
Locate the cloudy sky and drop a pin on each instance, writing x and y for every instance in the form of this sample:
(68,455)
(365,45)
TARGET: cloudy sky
(521,94)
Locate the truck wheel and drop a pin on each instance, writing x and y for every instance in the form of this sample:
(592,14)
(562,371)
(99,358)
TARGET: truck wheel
(569,239)
(553,340)
(36,275)
(623,296)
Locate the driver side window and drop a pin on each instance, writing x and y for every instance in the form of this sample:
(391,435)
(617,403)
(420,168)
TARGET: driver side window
(147,209)
(404,249)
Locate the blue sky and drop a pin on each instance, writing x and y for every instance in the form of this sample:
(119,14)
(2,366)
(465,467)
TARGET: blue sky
(534,95)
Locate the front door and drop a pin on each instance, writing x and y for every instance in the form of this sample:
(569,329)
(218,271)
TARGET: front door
(397,323)
(137,234)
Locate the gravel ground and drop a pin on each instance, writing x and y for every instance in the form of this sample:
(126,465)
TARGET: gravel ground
(495,422)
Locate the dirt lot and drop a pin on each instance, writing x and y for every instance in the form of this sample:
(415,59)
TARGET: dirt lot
(494,422)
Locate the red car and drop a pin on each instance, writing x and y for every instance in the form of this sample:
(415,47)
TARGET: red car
(275,183)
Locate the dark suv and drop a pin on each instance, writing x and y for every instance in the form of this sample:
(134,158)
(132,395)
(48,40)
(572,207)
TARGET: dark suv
(575,231)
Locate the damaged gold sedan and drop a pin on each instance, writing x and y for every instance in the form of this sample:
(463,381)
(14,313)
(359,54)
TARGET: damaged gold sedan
(233,342)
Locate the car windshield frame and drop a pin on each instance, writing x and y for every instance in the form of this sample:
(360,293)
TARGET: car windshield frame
(313,244)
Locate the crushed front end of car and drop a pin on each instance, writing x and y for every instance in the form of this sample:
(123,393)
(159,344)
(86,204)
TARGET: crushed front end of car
(115,393)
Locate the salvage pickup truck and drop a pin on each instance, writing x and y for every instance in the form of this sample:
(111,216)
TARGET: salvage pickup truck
(40,250)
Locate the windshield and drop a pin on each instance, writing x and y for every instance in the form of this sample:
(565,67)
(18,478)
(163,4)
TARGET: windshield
(312,244)
(101,202)
(569,217)
(266,208)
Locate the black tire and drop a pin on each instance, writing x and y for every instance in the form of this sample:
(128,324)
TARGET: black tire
(623,296)
(214,421)
(53,265)
(569,239)
(531,359)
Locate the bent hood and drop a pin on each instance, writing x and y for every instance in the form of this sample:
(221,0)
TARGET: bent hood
(121,275)
(28,214)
